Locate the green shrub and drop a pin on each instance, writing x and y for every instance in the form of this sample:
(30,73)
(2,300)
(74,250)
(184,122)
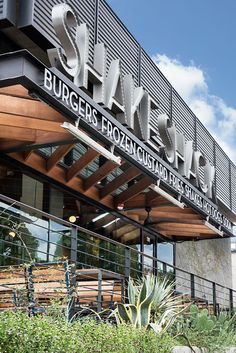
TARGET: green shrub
(203,330)
(21,334)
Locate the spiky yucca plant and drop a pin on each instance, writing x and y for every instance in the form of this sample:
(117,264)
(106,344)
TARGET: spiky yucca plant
(151,304)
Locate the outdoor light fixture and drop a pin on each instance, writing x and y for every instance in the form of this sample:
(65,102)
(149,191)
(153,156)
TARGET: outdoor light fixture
(89,141)
(12,234)
(110,223)
(216,230)
(100,217)
(120,206)
(73,219)
(168,197)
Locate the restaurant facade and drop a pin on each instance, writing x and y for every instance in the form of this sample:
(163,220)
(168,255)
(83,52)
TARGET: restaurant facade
(102,163)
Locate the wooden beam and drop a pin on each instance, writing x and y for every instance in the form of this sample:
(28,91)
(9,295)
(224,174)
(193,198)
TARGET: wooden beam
(185,234)
(29,108)
(57,155)
(100,174)
(152,197)
(125,177)
(134,190)
(27,154)
(18,133)
(29,123)
(81,163)
(6,144)
(44,137)
(134,234)
(118,233)
(189,223)
(141,202)
(159,215)
(186,225)
(190,229)
(15,91)
(162,217)
(165,208)
(58,173)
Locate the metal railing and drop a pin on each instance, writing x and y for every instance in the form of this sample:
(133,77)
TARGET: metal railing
(38,237)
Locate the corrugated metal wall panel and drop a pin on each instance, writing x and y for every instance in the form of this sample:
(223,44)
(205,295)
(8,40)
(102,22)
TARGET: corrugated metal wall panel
(121,45)
(41,19)
(222,176)
(183,117)
(1,9)
(233,186)
(7,13)
(205,142)
(157,85)
(110,30)
(87,14)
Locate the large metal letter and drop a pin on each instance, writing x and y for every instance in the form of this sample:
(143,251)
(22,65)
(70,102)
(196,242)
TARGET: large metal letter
(138,106)
(168,135)
(114,90)
(88,73)
(209,176)
(64,18)
(199,161)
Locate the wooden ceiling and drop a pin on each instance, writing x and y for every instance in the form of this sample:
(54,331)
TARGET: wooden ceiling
(26,124)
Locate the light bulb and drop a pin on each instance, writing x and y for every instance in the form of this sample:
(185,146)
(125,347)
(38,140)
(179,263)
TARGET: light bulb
(72,219)
(12,234)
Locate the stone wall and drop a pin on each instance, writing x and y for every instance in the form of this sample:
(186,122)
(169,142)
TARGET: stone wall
(233,257)
(210,259)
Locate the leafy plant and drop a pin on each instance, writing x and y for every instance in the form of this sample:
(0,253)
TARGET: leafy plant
(200,320)
(203,330)
(41,334)
(151,304)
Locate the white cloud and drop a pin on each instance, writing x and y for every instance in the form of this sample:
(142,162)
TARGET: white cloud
(227,123)
(229,149)
(191,83)
(203,110)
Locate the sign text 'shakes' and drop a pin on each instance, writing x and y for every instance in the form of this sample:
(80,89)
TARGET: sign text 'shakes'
(116,92)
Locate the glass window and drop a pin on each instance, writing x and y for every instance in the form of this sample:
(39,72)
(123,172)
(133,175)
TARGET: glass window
(59,241)
(148,250)
(165,253)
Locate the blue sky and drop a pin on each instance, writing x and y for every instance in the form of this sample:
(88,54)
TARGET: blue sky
(194,44)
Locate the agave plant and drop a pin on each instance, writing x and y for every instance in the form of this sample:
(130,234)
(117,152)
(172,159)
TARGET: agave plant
(151,303)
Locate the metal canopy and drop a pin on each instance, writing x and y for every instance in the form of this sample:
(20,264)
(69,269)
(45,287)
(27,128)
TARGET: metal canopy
(27,124)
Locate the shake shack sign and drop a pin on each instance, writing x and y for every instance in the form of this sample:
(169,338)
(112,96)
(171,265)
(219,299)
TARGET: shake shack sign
(131,107)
